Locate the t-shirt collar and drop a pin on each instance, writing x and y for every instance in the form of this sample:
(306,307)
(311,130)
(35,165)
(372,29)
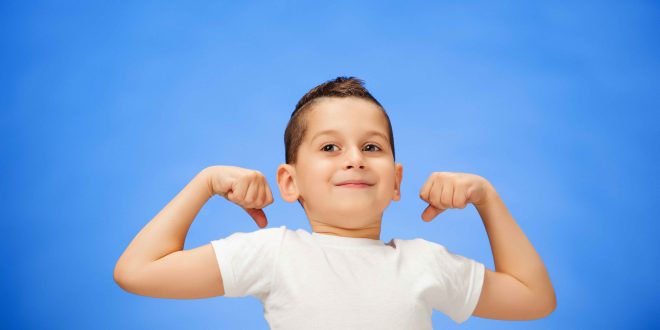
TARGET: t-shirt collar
(346,241)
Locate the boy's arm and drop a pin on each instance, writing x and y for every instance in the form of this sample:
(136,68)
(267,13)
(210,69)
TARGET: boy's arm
(155,257)
(520,288)
(166,232)
(155,264)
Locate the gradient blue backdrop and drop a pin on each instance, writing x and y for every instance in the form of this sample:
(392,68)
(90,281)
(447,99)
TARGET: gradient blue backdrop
(108,110)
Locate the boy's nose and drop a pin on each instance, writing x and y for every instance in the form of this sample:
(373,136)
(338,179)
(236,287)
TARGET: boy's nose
(354,158)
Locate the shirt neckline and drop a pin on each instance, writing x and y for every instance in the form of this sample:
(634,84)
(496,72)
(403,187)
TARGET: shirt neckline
(346,241)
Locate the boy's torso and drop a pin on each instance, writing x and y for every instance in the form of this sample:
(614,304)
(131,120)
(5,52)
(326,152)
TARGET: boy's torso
(317,285)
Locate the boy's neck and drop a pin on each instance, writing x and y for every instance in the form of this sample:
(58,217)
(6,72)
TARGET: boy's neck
(322,228)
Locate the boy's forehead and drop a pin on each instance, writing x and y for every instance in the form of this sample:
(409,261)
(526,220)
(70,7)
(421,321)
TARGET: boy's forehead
(337,115)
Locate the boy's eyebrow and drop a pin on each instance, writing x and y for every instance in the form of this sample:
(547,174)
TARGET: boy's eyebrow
(332,131)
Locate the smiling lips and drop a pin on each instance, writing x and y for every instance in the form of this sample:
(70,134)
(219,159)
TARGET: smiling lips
(354,184)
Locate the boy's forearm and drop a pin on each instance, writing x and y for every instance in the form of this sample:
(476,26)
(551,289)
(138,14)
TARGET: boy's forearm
(513,253)
(166,232)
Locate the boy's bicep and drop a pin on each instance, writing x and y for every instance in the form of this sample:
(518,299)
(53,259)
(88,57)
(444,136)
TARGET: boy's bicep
(503,297)
(186,274)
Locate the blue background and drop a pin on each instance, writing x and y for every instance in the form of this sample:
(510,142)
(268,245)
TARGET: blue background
(108,110)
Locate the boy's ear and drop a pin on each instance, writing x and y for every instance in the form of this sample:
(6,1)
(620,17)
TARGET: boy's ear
(286,183)
(398,173)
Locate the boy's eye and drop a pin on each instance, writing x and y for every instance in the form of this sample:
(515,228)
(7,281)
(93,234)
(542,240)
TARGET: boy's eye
(374,146)
(325,147)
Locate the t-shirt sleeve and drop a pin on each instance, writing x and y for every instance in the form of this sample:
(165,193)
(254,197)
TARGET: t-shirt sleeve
(247,261)
(459,283)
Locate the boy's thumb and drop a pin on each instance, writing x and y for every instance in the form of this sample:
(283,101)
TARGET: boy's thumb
(431,212)
(259,217)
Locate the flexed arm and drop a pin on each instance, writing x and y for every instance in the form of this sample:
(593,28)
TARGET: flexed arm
(520,287)
(155,264)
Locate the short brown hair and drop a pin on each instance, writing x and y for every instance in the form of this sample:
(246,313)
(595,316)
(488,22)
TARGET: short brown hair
(338,87)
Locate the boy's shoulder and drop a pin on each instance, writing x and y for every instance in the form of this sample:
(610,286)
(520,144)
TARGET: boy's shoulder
(419,244)
(417,241)
(261,234)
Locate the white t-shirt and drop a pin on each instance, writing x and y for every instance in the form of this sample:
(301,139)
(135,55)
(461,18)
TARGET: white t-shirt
(321,281)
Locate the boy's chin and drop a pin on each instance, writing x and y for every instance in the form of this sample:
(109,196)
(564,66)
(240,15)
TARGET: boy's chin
(354,209)
(353,221)
(359,202)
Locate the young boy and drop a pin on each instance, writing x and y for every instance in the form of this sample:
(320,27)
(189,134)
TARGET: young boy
(340,167)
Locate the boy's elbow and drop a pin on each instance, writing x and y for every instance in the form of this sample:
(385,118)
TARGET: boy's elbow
(552,309)
(549,306)
(553,304)
(543,306)
(121,278)
(124,272)
(125,282)
(540,312)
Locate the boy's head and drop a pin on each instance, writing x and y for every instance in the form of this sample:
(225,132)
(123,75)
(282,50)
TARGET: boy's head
(339,132)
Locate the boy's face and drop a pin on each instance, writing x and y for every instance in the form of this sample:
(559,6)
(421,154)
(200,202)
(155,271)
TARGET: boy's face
(346,139)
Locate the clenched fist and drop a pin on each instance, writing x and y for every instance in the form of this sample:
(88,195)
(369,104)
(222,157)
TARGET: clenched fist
(247,188)
(445,190)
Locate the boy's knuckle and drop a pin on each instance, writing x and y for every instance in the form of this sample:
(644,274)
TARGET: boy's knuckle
(435,201)
(441,203)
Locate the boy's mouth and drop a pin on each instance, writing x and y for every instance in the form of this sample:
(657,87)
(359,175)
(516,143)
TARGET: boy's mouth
(354,184)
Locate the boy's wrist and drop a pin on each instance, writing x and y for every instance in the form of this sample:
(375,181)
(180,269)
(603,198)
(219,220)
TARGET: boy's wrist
(490,194)
(217,177)
(207,177)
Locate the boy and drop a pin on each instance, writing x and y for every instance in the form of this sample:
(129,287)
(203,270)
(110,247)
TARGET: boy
(340,168)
